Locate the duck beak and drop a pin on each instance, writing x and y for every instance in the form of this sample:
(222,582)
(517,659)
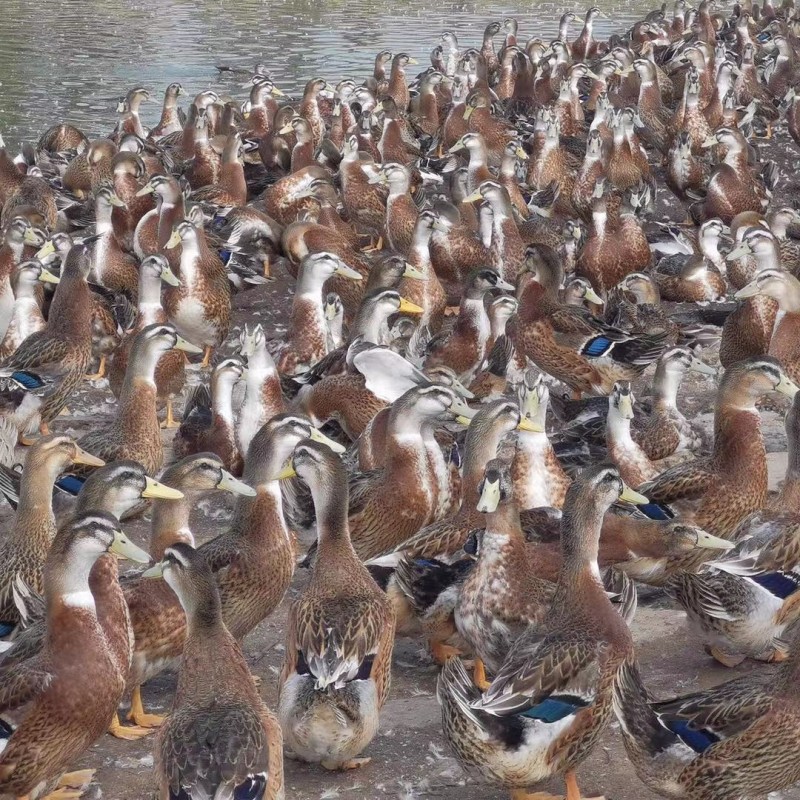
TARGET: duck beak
(468,112)
(462,390)
(380,178)
(456,148)
(473,198)
(490,497)
(529,425)
(187,347)
(700,366)
(521,154)
(634,498)
(174,240)
(233,485)
(461,409)
(82,457)
(413,273)
(740,250)
(710,542)
(591,296)
(47,277)
(169,277)
(146,189)
(751,290)
(711,141)
(626,406)
(318,436)
(407,307)
(286,129)
(787,386)
(123,547)
(287,472)
(116,201)
(277,92)
(156,571)
(30,237)
(330,312)
(48,248)
(154,490)
(348,272)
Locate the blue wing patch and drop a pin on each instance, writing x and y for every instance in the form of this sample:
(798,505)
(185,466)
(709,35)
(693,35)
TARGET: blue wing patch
(597,347)
(71,484)
(27,380)
(6,628)
(554,708)
(779,584)
(656,511)
(699,739)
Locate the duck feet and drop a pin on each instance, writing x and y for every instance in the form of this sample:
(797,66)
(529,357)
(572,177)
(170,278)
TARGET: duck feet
(479,675)
(267,273)
(44,429)
(127,732)
(101,371)
(170,421)
(204,364)
(257,680)
(452,311)
(441,652)
(71,785)
(138,715)
(372,248)
(725,658)
(573,792)
(351,763)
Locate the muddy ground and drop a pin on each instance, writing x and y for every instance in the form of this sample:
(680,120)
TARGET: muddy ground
(410,758)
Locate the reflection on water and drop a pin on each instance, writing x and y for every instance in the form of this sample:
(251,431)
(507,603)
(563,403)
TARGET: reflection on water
(71,59)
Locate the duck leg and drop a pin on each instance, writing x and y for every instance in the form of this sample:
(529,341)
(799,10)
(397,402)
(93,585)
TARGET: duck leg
(101,371)
(71,785)
(206,357)
(137,713)
(128,732)
(730,660)
(573,792)
(170,421)
(267,273)
(479,675)
(441,652)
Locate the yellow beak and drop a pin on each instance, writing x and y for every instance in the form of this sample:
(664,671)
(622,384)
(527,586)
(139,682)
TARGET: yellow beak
(146,189)
(82,457)
(787,386)
(526,424)
(174,240)
(468,112)
(187,347)
(156,571)
(125,548)
(154,490)
(628,495)
(348,272)
(48,277)
(591,296)
(490,497)
(277,92)
(287,472)
(473,198)
(116,201)
(47,249)
(169,277)
(233,485)
(319,437)
(407,307)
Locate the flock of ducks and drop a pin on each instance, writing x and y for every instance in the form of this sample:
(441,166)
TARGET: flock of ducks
(468,247)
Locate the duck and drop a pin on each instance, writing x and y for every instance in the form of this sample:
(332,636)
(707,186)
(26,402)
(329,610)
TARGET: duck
(633,464)
(64,345)
(77,693)
(531,724)
(784,288)
(413,458)
(729,741)
(569,343)
(307,339)
(135,433)
(170,374)
(31,536)
(537,476)
(340,633)
(263,394)
(19,233)
(214,682)
(172,117)
(718,491)
(401,210)
(112,267)
(464,347)
(732,188)
(208,423)
(502,596)
(26,316)
(200,307)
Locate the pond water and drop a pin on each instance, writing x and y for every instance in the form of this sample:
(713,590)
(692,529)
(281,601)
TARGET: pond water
(69,60)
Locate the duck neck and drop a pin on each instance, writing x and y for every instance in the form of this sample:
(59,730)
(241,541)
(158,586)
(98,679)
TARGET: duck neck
(35,510)
(149,305)
(223,397)
(310,283)
(330,503)
(580,528)
(502,526)
(102,214)
(170,524)
(190,255)
(67,584)
(370,324)
(481,446)
(666,384)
